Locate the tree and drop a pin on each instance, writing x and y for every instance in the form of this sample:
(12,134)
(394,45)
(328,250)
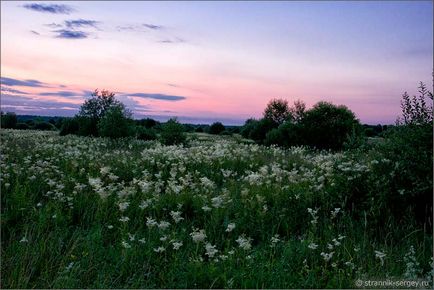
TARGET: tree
(172,133)
(277,111)
(216,128)
(95,108)
(297,111)
(116,123)
(8,120)
(327,126)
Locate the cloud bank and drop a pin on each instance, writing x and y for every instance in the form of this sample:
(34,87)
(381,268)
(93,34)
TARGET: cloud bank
(49,8)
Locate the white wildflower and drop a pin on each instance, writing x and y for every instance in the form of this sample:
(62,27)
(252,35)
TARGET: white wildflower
(312,246)
(244,242)
(159,249)
(176,215)
(176,245)
(126,245)
(230,227)
(206,208)
(327,256)
(274,240)
(210,250)
(124,219)
(163,225)
(217,201)
(381,256)
(123,206)
(150,222)
(198,236)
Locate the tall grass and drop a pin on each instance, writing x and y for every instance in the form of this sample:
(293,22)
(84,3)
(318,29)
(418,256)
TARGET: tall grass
(83,212)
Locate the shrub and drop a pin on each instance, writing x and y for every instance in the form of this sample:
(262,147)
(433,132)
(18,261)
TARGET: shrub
(287,134)
(216,128)
(199,129)
(22,126)
(69,126)
(415,110)
(172,133)
(248,127)
(411,148)
(8,120)
(87,126)
(147,123)
(261,128)
(327,126)
(146,134)
(45,126)
(116,123)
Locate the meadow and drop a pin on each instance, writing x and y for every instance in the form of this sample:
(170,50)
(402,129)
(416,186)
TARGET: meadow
(218,212)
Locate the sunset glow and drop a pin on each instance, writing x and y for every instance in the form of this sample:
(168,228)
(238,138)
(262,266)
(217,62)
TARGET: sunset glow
(208,61)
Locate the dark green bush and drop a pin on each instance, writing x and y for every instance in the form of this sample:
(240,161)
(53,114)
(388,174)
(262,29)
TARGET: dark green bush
(87,126)
(146,134)
(69,126)
(327,126)
(45,126)
(22,126)
(410,147)
(260,129)
(147,123)
(8,120)
(116,124)
(216,128)
(172,133)
(286,135)
(248,127)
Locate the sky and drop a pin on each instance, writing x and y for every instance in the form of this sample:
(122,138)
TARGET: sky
(214,61)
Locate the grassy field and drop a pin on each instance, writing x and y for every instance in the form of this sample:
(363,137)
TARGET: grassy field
(83,212)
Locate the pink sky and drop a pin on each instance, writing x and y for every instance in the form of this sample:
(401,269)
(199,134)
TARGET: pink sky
(225,60)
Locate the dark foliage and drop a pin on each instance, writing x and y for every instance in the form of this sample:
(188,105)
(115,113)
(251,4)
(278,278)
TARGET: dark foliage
(327,126)
(44,126)
(277,111)
(22,126)
(69,126)
(172,133)
(8,120)
(216,128)
(146,134)
(116,123)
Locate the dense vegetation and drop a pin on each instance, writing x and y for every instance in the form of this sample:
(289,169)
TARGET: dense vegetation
(189,210)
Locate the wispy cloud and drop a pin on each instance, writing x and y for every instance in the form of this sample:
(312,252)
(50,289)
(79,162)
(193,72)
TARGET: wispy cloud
(158,96)
(79,23)
(153,26)
(49,8)
(63,94)
(22,83)
(35,32)
(53,25)
(12,91)
(172,40)
(71,34)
